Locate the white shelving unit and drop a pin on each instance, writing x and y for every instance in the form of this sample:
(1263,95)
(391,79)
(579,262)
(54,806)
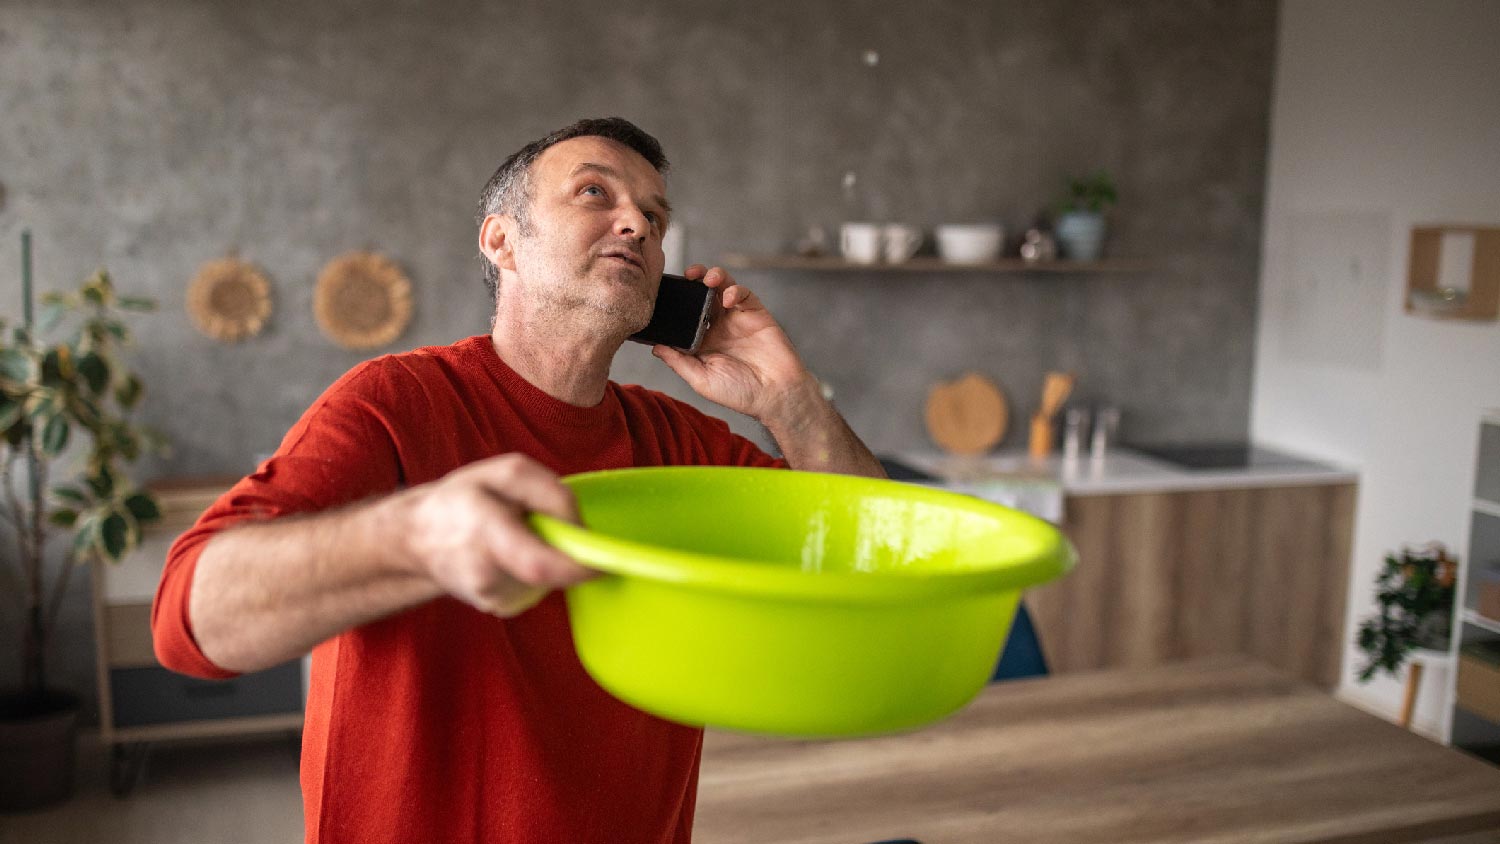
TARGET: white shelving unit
(1462,727)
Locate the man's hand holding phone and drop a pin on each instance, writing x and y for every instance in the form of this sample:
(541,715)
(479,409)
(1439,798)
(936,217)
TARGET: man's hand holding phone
(745,361)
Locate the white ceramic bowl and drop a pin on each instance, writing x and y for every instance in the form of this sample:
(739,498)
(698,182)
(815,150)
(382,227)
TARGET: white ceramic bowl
(970,243)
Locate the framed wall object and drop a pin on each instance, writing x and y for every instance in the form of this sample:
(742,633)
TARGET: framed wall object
(362,300)
(229,300)
(1454,272)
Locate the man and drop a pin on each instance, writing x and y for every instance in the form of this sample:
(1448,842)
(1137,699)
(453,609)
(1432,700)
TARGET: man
(388,532)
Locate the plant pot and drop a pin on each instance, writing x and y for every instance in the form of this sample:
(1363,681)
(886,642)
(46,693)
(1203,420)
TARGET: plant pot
(1434,631)
(1081,235)
(36,749)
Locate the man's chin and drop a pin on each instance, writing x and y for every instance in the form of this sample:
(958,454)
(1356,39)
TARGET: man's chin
(627,317)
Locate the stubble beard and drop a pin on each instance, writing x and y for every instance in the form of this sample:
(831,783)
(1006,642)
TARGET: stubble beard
(587,297)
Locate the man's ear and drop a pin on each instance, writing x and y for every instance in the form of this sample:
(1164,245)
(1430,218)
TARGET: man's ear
(497,235)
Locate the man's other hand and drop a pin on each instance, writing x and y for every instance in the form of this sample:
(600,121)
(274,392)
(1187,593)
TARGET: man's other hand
(468,533)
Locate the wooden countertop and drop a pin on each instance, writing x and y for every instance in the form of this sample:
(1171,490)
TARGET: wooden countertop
(1222,751)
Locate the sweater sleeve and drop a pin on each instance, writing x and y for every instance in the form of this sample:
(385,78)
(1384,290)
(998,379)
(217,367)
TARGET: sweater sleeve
(342,450)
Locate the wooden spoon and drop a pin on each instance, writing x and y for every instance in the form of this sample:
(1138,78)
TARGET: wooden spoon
(1055,390)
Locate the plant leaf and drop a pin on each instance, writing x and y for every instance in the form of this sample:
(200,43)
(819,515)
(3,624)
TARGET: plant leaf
(57,365)
(143,507)
(83,540)
(85,411)
(129,391)
(11,410)
(16,365)
(55,435)
(63,518)
(18,432)
(114,536)
(70,494)
(40,405)
(136,303)
(126,443)
(102,482)
(95,372)
(52,314)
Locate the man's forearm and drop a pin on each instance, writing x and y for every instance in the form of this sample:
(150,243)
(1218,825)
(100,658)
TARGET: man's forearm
(814,437)
(265,593)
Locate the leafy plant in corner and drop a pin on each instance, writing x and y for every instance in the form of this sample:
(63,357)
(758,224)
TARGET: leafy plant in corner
(1094,193)
(1415,593)
(78,392)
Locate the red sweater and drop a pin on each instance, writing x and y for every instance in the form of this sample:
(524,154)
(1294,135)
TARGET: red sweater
(442,723)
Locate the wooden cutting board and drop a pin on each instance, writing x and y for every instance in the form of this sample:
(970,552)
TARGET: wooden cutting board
(966,416)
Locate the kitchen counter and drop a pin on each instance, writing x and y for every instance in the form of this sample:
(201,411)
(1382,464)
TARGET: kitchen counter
(1122,471)
(1178,563)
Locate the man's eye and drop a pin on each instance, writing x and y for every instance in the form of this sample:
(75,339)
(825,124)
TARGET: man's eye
(593,190)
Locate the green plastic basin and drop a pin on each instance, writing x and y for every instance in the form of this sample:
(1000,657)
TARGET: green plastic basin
(795,603)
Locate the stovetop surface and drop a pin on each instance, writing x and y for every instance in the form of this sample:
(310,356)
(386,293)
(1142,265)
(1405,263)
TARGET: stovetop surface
(1221,455)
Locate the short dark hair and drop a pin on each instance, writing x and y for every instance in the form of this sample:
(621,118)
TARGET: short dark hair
(509,190)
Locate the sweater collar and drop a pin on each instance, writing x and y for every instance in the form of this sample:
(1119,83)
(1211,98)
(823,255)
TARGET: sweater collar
(536,403)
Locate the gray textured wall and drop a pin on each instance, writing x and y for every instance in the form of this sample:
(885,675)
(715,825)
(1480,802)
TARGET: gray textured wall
(152,135)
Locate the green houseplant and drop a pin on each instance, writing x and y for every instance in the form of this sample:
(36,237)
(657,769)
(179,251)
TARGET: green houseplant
(1415,592)
(75,392)
(1081,224)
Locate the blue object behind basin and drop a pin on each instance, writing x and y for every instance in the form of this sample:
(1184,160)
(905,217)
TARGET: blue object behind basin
(1022,656)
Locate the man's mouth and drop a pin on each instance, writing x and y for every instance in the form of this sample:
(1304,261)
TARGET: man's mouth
(627,256)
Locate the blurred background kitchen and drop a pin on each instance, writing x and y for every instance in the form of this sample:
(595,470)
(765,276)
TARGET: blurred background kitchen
(1270,161)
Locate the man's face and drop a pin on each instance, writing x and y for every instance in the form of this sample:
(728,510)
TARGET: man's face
(592,251)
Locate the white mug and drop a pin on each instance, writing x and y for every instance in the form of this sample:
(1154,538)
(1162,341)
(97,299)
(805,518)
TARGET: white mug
(860,242)
(899,242)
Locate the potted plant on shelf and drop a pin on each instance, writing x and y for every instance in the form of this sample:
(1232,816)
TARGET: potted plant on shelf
(76,392)
(1415,592)
(1081,226)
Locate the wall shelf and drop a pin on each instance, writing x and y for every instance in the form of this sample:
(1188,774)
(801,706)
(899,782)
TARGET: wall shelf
(931,265)
(1445,260)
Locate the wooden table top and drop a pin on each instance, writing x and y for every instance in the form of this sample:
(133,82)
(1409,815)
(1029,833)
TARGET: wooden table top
(1216,751)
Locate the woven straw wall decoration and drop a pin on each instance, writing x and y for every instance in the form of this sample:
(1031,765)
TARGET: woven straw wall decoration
(229,300)
(362,300)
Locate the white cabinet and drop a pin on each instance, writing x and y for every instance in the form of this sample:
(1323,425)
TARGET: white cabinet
(1472,718)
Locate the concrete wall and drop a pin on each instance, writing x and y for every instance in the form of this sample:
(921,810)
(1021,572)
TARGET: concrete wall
(153,135)
(1386,116)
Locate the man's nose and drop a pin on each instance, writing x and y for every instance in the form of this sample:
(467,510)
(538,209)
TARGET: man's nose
(631,222)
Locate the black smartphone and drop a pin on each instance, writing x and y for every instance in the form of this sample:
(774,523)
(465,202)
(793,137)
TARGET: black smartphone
(684,311)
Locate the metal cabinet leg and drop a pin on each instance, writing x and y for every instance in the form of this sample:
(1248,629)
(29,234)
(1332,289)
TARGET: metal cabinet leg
(127,764)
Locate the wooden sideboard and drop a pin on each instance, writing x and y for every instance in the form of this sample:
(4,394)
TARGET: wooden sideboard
(140,702)
(1163,576)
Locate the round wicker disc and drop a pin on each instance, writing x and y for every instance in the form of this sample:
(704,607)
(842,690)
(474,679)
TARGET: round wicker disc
(362,300)
(229,300)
